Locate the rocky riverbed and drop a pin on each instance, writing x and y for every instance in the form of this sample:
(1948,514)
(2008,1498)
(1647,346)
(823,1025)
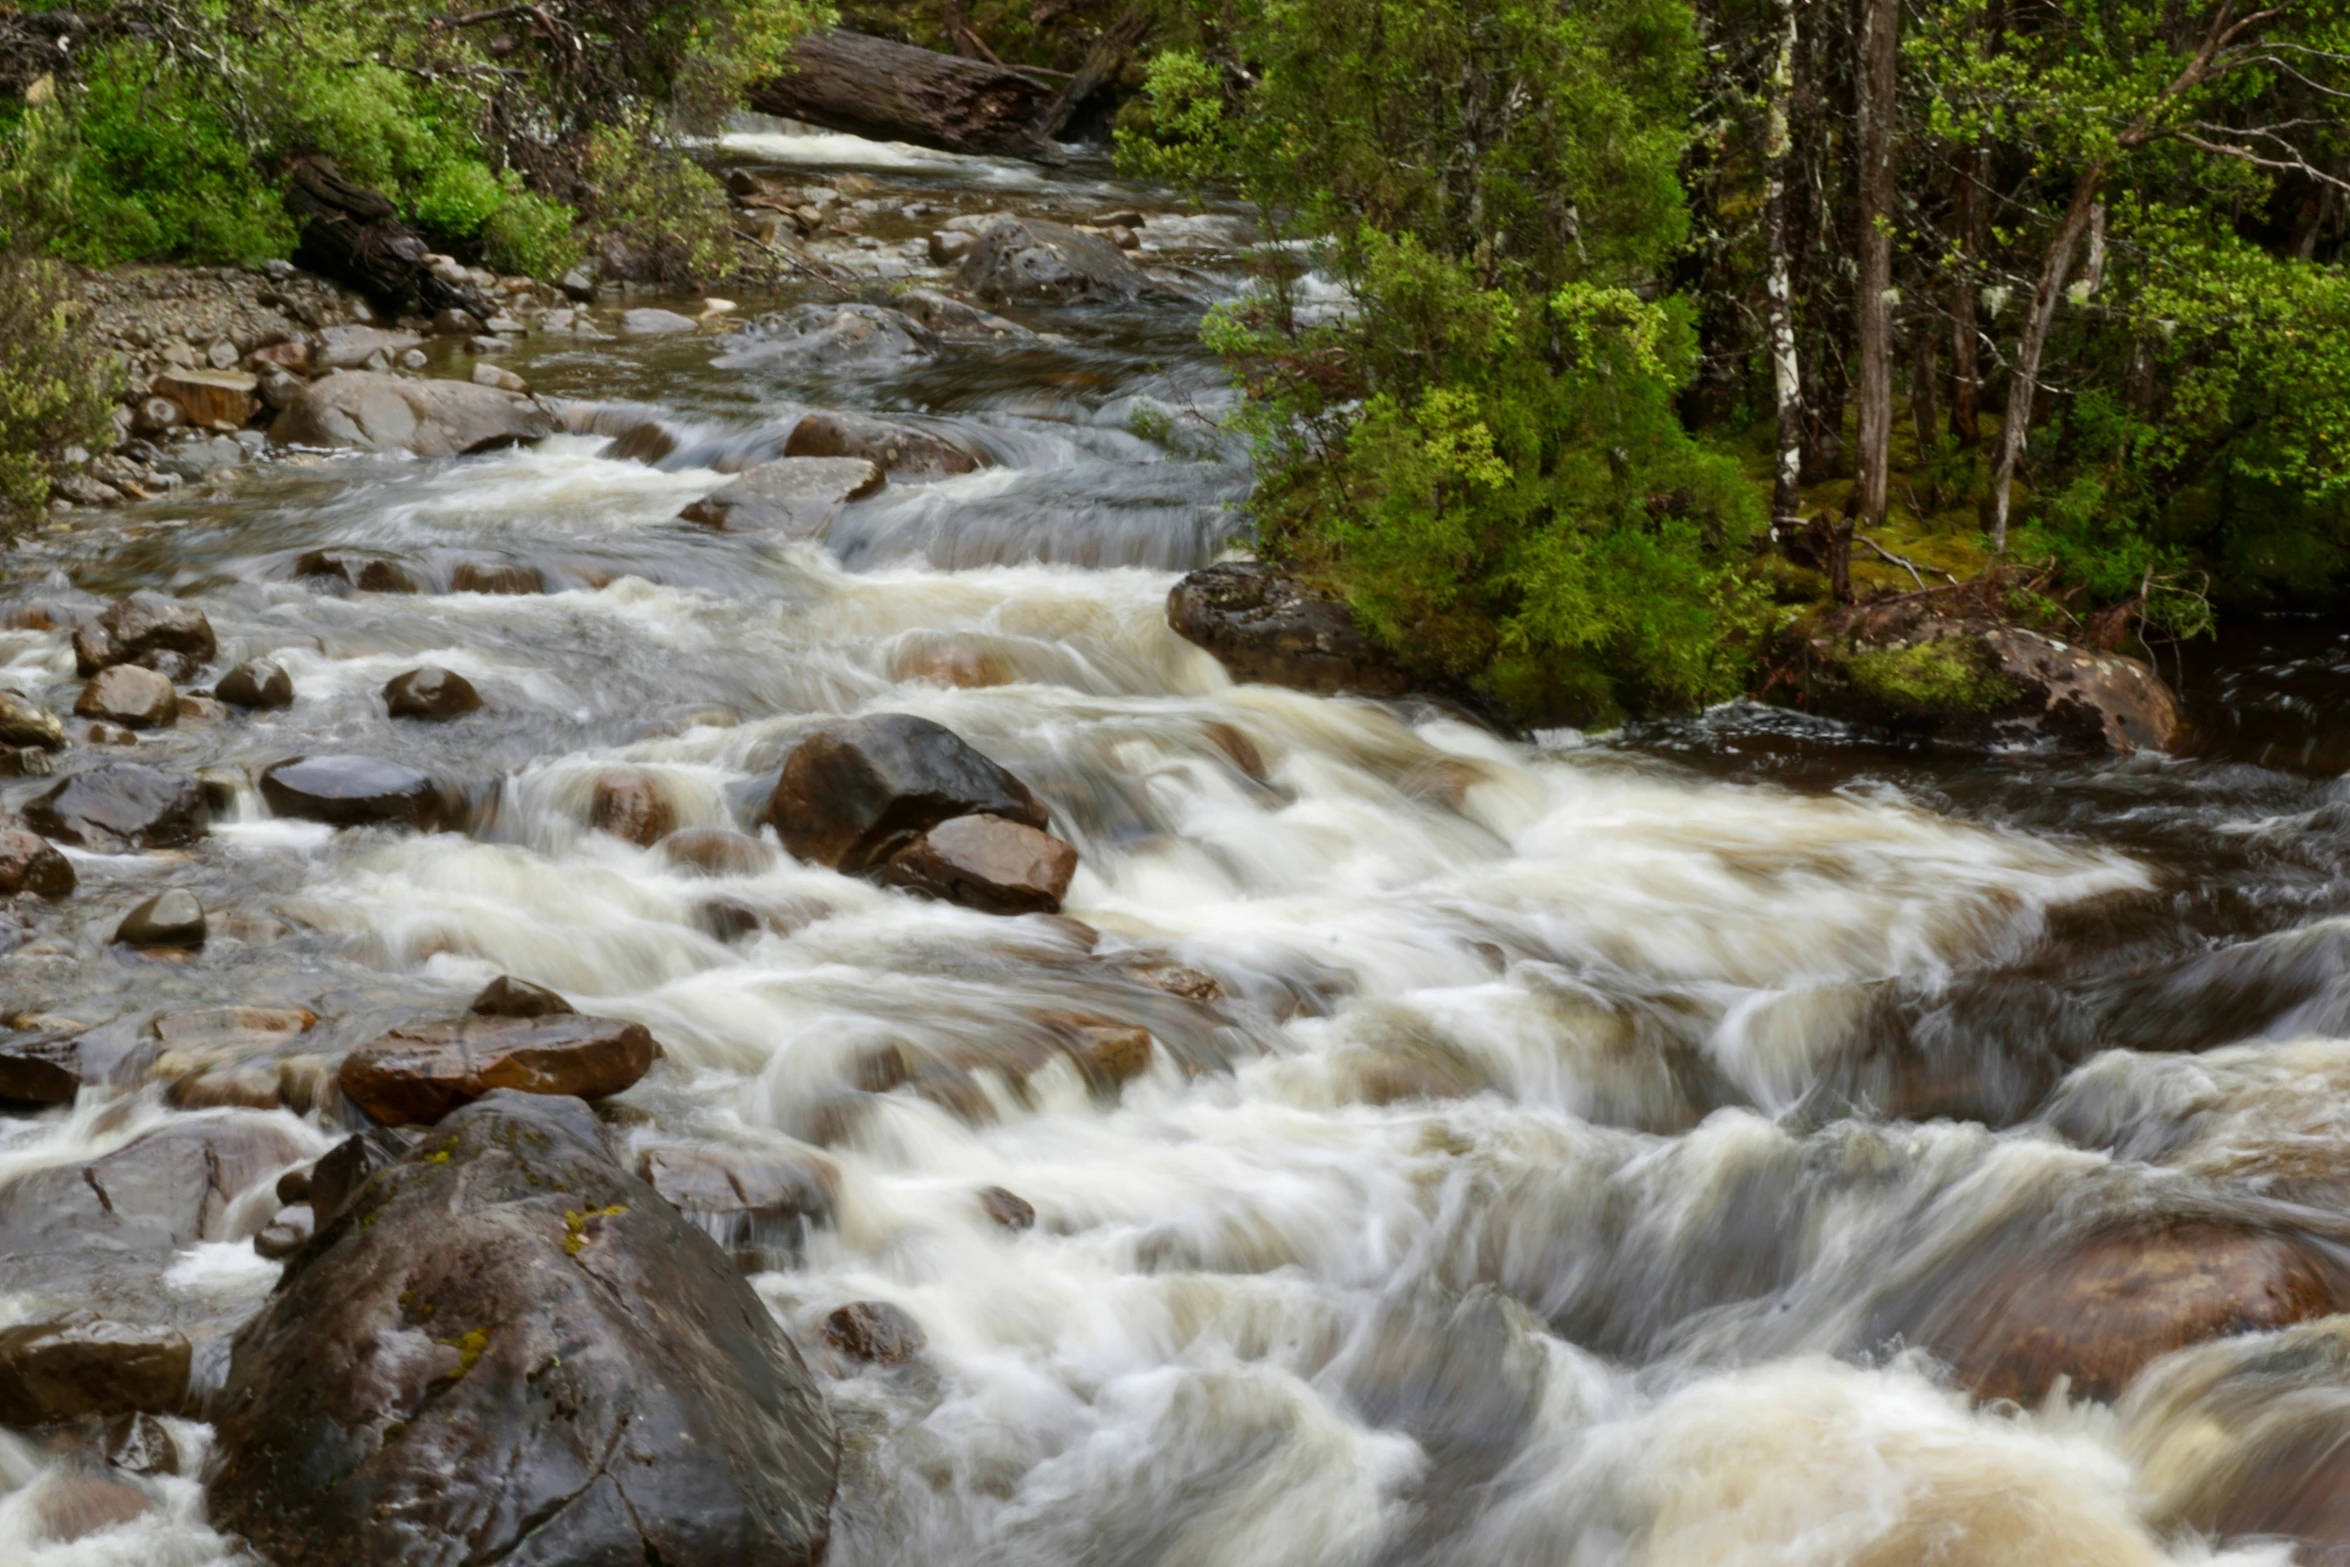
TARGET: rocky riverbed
(631,937)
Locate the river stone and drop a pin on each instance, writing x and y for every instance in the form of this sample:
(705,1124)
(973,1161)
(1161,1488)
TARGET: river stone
(286,1234)
(874,1331)
(507,996)
(137,628)
(1263,625)
(31,863)
(899,450)
(129,695)
(346,1167)
(40,1070)
(794,496)
(952,318)
(24,722)
(821,335)
(353,791)
(1110,1053)
(256,683)
(632,806)
(118,807)
(2099,1309)
(51,1371)
(646,321)
(211,398)
(367,573)
(1008,1209)
(139,1444)
(475,576)
(717,851)
(853,794)
(432,693)
(507,1349)
(1029,261)
(349,347)
(757,1206)
(169,919)
(423,1071)
(986,863)
(384,413)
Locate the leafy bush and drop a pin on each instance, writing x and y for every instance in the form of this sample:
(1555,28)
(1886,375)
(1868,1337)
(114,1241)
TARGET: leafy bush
(53,393)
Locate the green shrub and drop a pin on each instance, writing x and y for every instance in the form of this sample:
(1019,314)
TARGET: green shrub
(53,391)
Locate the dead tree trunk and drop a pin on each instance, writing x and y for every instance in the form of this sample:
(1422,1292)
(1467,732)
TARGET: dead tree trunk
(352,234)
(1873,308)
(895,92)
(1786,369)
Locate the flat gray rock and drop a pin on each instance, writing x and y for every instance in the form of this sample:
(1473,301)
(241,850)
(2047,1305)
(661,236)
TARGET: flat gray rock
(384,413)
(795,496)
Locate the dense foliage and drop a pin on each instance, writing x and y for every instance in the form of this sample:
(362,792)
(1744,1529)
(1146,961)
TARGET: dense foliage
(52,393)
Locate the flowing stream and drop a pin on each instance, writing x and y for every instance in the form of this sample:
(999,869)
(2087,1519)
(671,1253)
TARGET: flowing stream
(1557,1181)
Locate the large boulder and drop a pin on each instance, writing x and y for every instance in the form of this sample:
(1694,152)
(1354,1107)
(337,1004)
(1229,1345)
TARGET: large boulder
(383,413)
(256,683)
(986,863)
(423,1071)
(1029,261)
(952,318)
(431,693)
(795,496)
(354,791)
(633,806)
(506,1349)
(824,335)
(899,450)
(854,794)
(211,399)
(142,628)
(51,1371)
(1263,625)
(118,807)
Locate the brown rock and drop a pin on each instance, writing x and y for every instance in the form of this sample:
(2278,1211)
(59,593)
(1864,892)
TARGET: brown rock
(129,695)
(632,806)
(256,683)
(24,722)
(716,851)
(369,574)
(431,693)
(211,398)
(353,791)
(473,576)
(70,1507)
(986,863)
(1175,980)
(140,1444)
(1009,1209)
(285,1234)
(41,1070)
(852,795)
(951,664)
(52,1371)
(136,628)
(424,1071)
(2099,1309)
(1264,626)
(291,357)
(507,996)
(233,1030)
(30,863)
(169,919)
(899,450)
(1110,1054)
(874,1331)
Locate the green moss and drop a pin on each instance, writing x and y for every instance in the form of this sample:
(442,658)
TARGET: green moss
(1930,678)
(575,1225)
(469,1347)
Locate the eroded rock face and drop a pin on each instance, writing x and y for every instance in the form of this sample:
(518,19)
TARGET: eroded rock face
(506,1349)
(1029,261)
(986,863)
(899,450)
(353,791)
(795,496)
(119,807)
(383,413)
(424,1071)
(854,794)
(1264,626)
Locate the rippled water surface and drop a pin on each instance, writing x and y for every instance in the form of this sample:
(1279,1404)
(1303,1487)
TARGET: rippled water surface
(1571,1169)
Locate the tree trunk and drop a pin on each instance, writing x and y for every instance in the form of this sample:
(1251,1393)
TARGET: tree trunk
(2015,425)
(351,233)
(1925,386)
(1102,62)
(872,87)
(1786,369)
(1965,335)
(1873,308)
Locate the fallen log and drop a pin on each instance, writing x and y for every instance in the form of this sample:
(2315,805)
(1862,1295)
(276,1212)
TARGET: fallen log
(895,92)
(352,234)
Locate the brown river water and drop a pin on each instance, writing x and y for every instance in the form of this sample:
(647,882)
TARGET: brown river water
(1590,1131)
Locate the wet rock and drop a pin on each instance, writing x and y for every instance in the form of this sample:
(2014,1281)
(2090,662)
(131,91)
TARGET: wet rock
(716,851)
(353,791)
(1009,1209)
(431,693)
(138,1443)
(632,806)
(1189,983)
(422,1072)
(502,379)
(474,576)
(1109,1054)
(41,1070)
(349,347)
(292,357)
(383,413)
(286,1234)
(949,662)
(507,996)
(986,863)
(1263,625)
(2097,1310)
(346,1167)
(198,708)
(952,318)
(508,1349)
(899,450)
(100,733)
(795,496)
(874,1331)
(30,863)
(69,1507)
(758,1206)
(647,443)
(454,322)
(211,399)
(136,628)
(947,247)
(825,335)
(256,683)
(24,722)
(1029,261)
(118,807)
(367,573)
(169,919)
(131,696)
(854,794)
(648,322)
(52,1371)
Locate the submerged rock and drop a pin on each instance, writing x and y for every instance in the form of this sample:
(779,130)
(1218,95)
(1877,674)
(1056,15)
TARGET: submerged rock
(431,693)
(425,1070)
(632,806)
(119,807)
(507,1349)
(383,413)
(874,1331)
(1265,626)
(1007,1208)
(354,791)
(758,1206)
(795,496)
(854,794)
(367,573)
(52,1371)
(951,318)
(899,450)
(986,863)
(646,321)
(476,576)
(717,851)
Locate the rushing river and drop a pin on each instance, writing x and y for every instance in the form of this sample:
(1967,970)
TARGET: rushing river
(1585,1120)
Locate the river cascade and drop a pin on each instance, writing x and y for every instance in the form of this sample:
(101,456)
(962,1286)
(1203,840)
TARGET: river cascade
(1716,1142)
